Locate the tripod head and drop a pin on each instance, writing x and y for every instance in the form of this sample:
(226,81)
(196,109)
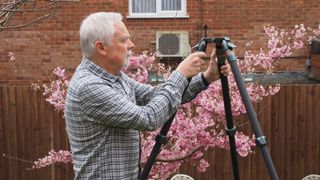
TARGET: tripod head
(223,47)
(224,43)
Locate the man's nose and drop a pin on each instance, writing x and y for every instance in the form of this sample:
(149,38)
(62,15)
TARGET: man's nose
(131,45)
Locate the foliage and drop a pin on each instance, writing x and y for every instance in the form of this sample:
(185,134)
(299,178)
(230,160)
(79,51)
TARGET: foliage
(199,125)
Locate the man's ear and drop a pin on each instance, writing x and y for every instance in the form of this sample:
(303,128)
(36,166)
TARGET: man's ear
(100,48)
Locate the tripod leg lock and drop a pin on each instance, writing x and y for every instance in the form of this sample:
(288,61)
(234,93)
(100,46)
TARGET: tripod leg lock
(231,132)
(162,139)
(261,141)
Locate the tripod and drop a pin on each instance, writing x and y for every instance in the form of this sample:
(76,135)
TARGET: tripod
(224,47)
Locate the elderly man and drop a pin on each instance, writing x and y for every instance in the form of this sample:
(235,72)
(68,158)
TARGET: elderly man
(105,109)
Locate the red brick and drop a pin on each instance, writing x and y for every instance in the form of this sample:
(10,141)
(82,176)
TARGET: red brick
(54,41)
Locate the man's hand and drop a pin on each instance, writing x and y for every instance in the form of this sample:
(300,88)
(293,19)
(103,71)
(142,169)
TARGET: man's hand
(212,72)
(193,64)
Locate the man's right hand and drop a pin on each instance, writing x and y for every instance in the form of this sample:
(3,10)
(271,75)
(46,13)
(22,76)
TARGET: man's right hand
(193,64)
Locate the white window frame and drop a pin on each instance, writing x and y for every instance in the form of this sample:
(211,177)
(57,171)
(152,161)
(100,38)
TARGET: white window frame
(159,13)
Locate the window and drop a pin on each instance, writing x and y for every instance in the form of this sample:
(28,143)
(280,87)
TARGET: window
(157,9)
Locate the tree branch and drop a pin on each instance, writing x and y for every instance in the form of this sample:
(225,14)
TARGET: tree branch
(11,7)
(26,24)
(14,158)
(181,157)
(30,10)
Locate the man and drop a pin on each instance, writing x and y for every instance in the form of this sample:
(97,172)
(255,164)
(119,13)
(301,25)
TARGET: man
(105,109)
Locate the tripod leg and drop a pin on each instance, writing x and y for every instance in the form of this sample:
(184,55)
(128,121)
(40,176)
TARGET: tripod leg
(261,139)
(230,130)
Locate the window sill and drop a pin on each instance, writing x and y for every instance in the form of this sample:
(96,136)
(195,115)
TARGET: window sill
(155,17)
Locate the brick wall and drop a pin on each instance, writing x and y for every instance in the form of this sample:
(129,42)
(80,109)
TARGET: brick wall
(54,41)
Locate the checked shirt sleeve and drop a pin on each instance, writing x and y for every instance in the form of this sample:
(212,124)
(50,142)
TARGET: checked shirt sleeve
(102,104)
(144,93)
(196,85)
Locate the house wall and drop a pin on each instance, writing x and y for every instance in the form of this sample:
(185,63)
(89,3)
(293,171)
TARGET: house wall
(40,47)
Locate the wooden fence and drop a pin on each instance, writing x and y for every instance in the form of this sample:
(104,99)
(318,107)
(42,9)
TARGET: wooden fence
(29,128)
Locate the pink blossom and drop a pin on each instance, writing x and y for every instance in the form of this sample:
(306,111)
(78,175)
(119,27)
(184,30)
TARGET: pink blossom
(35,86)
(203,165)
(11,56)
(248,43)
(59,72)
(53,157)
(134,61)
(57,90)
(221,142)
(197,155)
(297,44)
(299,31)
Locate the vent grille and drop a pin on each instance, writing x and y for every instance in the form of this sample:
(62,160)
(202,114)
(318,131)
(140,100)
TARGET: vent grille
(172,44)
(169,44)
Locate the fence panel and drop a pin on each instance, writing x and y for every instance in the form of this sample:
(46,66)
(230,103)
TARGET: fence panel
(30,128)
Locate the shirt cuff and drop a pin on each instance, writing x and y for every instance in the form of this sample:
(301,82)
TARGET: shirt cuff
(205,82)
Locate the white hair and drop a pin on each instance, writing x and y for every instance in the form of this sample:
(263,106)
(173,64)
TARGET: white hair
(97,26)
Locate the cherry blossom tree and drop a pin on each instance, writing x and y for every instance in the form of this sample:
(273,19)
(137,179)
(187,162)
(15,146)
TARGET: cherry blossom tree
(198,125)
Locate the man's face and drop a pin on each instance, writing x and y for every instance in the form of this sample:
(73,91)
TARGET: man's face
(119,51)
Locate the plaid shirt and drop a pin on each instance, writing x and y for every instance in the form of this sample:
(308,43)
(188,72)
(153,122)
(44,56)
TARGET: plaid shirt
(104,114)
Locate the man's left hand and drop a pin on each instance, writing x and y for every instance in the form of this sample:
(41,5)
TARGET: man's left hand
(212,72)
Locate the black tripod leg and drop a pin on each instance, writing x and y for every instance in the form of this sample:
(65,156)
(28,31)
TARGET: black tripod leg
(261,140)
(160,139)
(230,130)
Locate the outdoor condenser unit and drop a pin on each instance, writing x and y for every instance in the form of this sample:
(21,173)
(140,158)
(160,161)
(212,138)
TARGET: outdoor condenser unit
(172,44)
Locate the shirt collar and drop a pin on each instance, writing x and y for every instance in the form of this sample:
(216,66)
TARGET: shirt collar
(99,71)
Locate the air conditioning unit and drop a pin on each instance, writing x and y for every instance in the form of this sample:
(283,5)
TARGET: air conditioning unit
(172,44)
